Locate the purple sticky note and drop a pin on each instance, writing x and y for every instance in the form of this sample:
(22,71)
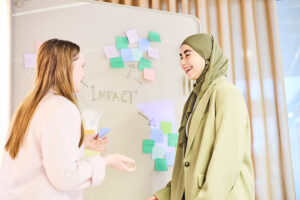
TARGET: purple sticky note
(153,53)
(132,36)
(111,52)
(127,55)
(30,60)
(170,157)
(144,44)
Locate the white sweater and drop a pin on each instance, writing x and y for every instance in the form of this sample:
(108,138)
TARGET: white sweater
(50,165)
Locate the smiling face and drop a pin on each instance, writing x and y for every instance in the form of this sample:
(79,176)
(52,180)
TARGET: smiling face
(78,73)
(191,62)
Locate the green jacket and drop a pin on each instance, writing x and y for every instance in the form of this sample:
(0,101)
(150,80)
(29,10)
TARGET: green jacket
(214,163)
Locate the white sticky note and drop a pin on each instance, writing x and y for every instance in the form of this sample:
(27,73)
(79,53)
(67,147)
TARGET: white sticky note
(153,53)
(111,52)
(30,60)
(132,36)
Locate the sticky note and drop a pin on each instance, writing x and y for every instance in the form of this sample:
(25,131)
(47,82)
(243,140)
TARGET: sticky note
(132,36)
(173,139)
(157,136)
(111,52)
(148,146)
(103,132)
(122,42)
(153,53)
(161,164)
(30,60)
(170,157)
(127,55)
(166,127)
(154,36)
(116,62)
(144,63)
(86,131)
(154,124)
(38,44)
(158,152)
(137,54)
(149,74)
(144,44)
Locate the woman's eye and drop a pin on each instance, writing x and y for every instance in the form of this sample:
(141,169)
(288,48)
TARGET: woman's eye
(187,55)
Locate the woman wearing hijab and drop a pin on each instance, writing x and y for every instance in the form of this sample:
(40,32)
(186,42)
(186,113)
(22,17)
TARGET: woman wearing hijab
(213,158)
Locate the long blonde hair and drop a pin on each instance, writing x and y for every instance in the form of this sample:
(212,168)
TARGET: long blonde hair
(54,70)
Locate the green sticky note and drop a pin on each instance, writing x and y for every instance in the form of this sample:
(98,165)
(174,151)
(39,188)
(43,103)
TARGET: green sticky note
(144,63)
(158,152)
(161,164)
(121,42)
(172,139)
(153,36)
(116,62)
(166,127)
(148,145)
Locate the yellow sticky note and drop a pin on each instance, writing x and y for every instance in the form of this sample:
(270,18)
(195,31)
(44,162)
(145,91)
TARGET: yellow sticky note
(89,131)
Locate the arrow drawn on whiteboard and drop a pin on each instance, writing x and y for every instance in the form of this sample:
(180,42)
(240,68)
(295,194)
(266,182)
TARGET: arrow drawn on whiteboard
(144,117)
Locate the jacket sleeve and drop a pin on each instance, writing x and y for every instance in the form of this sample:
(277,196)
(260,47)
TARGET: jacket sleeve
(226,160)
(65,165)
(164,194)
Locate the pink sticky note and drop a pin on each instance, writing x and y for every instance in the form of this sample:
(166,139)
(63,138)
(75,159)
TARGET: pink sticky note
(149,74)
(132,36)
(153,53)
(30,60)
(111,52)
(38,44)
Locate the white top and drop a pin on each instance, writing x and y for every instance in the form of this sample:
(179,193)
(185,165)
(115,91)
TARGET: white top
(50,165)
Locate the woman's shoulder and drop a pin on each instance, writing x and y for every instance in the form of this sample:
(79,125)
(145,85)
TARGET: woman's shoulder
(56,103)
(225,89)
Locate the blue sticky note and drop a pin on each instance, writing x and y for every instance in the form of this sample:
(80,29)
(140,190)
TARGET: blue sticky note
(103,132)
(127,55)
(170,157)
(157,136)
(158,152)
(144,44)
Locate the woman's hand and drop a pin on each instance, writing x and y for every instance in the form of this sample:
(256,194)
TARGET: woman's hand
(93,142)
(120,162)
(153,198)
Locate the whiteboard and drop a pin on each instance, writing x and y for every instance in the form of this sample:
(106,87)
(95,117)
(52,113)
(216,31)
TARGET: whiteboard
(113,97)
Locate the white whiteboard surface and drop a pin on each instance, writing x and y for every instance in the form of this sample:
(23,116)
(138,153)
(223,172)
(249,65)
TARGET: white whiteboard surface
(93,25)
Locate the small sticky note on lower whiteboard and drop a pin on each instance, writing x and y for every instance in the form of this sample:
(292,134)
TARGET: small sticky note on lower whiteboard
(166,127)
(149,74)
(116,62)
(148,146)
(173,139)
(158,152)
(132,36)
(111,52)
(161,164)
(170,157)
(38,44)
(137,54)
(154,36)
(144,63)
(157,136)
(153,53)
(30,60)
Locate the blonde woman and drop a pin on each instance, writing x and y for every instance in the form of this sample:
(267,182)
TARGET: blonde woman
(44,151)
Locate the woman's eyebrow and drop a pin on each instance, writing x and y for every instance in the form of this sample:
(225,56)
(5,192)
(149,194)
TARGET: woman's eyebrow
(186,51)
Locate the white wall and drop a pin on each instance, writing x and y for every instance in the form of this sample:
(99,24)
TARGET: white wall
(5,57)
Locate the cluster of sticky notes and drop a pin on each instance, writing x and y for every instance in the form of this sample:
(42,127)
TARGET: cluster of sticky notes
(156,146)
(31,58)
(126,54)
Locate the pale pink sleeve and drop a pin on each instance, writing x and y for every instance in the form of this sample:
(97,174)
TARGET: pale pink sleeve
(65,166)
